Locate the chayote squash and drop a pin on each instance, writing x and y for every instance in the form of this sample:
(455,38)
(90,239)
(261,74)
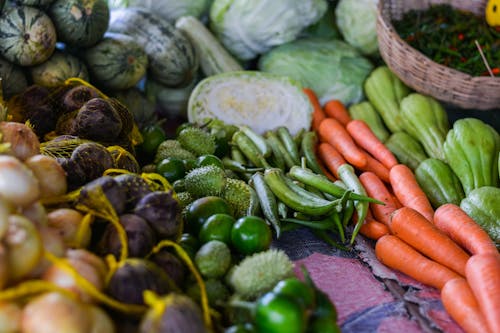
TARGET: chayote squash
(385,91)
(425,119)
(439,182)
(406,149)
(483,206)
(471,149)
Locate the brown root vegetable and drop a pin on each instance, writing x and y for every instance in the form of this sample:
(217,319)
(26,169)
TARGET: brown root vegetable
(67,222)
(23,140)
(180,314)
(24,247)
(51,176)
(65,123)
(171,264)
(134,187)
(55,312)
(76,97)
(126,117)
(123,159)
(133,277)
(162,212)
(18,184)
(97,120)
(91,194)
(141,238)
(10,317)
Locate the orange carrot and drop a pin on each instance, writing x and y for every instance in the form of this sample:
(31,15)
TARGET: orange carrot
(336,109)
(459,301)
(408,191)
(453,221)
(318,113)
(366,139)
(332,131)
(373,229)
(376,167)
(414,229)
(483,275)
(376,189)
(331,158)
(396,254)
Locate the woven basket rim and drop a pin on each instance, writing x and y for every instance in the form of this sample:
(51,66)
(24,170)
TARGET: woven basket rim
(386,29)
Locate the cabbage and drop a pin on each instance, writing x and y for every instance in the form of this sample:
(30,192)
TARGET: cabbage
(331,67)
(262,101)
(168,9)
(248,28)
(357,22)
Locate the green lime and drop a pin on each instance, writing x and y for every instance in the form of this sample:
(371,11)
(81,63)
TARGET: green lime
(251,234)
(152,136)
(322,325)
(209,159)
(201,209)
(189,243)
(295,288)
(171,168)
(217,227)
(279,313)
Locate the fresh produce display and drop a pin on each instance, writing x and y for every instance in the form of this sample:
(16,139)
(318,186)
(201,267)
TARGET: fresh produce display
(164,166)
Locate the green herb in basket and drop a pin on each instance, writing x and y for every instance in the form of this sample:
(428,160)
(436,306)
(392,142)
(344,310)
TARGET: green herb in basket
(454,38)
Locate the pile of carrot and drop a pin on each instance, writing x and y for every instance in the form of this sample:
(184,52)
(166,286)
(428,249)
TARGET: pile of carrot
(442,248)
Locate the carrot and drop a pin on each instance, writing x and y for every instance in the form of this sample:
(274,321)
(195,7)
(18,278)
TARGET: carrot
(483,275)
(408,191)
(459,301)
(336,109)
(366,139)
(396,254)
(318,113)
(332,131)
(330,157)
(414,229)
(376,189)
(373,229)
(376,167)
(453,221)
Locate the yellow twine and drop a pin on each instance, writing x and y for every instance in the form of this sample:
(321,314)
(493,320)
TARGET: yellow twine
(32,287)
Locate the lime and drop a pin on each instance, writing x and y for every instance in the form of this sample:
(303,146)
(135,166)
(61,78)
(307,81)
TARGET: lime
(217,227)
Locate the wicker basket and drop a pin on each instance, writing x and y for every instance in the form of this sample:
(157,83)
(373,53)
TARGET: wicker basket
(426,76)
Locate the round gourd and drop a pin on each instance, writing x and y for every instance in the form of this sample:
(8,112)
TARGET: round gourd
(27,36)
(13,79)
(34,3)
(116,62)
(60,67)
(80,23)
(172,58)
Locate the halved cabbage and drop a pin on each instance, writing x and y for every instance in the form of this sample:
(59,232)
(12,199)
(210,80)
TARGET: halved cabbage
(262,101)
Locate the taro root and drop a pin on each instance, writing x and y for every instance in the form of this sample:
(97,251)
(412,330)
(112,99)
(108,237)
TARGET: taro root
(134,187)
(88,162)
(65,123)
(76,97)
(162,212)
(97,120)
(133,277)
(107,185)
(126,117)
(140,237)
(171,264)
(180,314)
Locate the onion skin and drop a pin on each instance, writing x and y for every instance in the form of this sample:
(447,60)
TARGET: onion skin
(24,142)
(67,222)
(54,312)
(18,184)
(50,174)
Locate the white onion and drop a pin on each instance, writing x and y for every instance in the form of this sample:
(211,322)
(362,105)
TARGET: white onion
(23,141)
(36,213)
(17,182)
(52,243)
(50,174)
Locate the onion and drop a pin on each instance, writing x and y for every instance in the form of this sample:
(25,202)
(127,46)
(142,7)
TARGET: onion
(10,317)
(24,246)
(67,221)
(5,210)
(36,213)
(23,141)
(54,312)
(100,320)
(50,174)
(17,182)
(4,270)
(52,243)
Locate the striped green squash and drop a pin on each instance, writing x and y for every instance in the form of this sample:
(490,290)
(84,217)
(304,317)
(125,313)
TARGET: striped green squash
(13,79)
(80,23)
(35,3)
(60,67)
(116,62)
(27,36)
(172,58)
